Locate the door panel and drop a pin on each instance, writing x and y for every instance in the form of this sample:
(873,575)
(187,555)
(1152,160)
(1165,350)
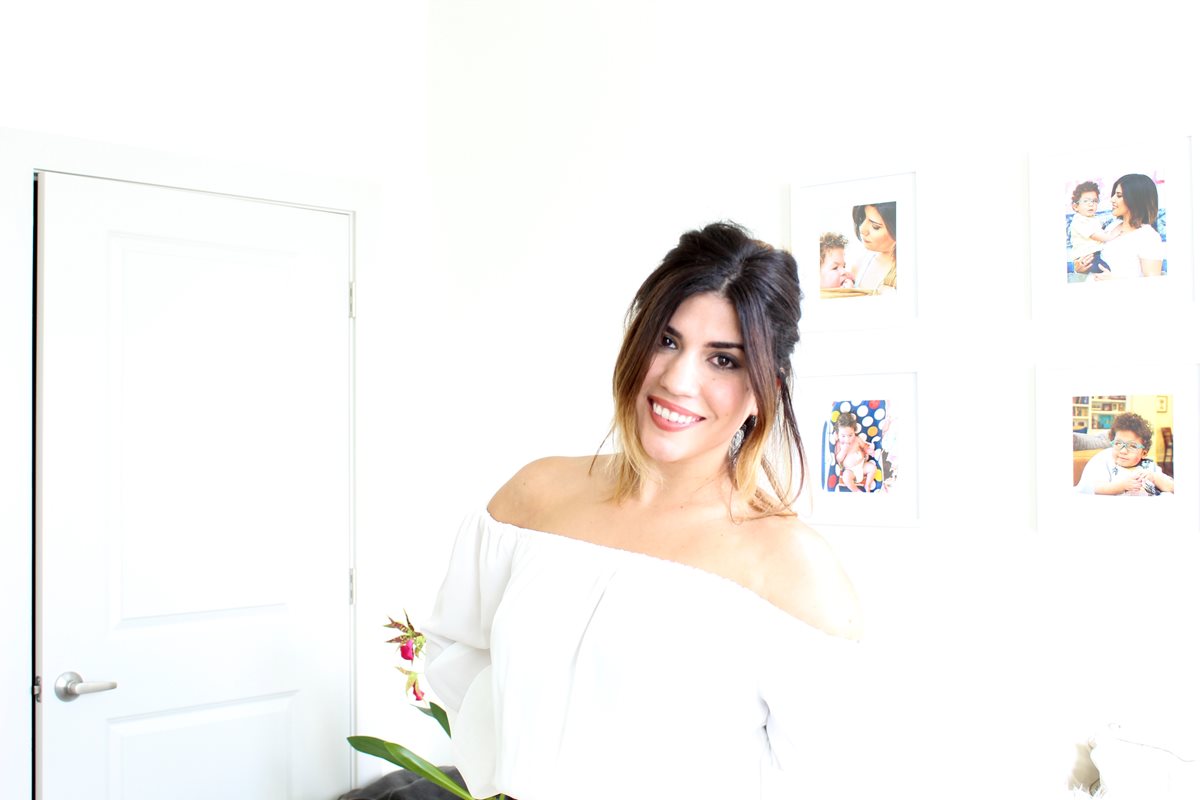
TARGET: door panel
(194,493)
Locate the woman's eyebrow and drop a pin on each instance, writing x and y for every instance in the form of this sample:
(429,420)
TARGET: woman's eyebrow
(714,345)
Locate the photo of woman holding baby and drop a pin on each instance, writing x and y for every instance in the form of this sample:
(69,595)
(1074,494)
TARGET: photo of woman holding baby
(873,270)
(849,239)
(1137,249)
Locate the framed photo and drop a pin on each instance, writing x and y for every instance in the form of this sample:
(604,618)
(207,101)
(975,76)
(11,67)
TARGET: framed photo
(1117,445)
(855,246)
(860,440)
(1111,226)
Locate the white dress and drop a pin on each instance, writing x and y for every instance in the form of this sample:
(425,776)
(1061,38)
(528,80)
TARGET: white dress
(1125,252)
(575,671)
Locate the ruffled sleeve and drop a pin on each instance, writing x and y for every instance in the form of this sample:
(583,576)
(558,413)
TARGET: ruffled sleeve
(459,632)
(811,684)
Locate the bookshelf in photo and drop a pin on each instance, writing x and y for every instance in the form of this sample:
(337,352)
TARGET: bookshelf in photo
(1094,413)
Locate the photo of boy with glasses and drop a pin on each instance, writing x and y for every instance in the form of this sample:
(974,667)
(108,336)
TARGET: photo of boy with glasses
(1087,230)
(1125,468)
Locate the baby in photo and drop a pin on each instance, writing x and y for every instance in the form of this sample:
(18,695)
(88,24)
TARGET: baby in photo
(834,273)
(852,455)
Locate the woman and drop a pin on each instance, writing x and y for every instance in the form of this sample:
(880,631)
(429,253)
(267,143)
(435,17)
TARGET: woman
(657,622)
(875,227)
(1139,250)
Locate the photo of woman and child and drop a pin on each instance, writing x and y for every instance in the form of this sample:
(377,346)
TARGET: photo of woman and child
(1123,236)
(1126,459)
(871,269)
(858,452)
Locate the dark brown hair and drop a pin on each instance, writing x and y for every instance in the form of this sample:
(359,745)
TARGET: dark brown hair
(1141,198)
(1135,424)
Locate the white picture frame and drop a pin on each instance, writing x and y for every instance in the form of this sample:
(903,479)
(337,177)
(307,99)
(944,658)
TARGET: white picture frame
(884,406)
(1053,179)
(829,208)
(1064,505)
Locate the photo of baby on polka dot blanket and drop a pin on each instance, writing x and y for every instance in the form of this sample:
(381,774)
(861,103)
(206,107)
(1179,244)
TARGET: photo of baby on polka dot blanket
(857,456)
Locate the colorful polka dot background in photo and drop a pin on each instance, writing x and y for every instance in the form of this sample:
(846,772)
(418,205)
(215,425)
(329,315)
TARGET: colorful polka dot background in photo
(870,416)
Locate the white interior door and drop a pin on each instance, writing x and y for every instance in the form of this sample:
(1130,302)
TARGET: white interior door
(194,484)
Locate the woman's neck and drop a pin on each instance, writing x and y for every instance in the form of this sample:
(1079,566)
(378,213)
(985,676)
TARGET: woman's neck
(686,484)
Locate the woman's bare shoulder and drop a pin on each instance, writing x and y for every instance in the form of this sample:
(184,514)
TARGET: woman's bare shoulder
(542,485)
(805,578)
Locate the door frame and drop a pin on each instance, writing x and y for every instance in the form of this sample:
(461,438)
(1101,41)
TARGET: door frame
(21,155)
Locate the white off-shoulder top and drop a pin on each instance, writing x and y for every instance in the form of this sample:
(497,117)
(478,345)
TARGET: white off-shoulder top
(575,671)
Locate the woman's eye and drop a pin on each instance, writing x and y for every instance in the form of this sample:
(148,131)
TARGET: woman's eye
(724,362)
(667,341)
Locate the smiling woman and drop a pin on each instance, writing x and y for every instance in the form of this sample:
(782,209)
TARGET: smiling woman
(738,301)
(590,584)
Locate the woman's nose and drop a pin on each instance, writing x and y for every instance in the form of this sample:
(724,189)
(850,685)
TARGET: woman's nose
(679,377)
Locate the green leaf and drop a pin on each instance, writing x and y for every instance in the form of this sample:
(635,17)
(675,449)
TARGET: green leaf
(438,713)
(403,757)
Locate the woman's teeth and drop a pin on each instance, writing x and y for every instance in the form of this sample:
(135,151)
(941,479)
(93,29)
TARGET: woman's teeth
(673,416)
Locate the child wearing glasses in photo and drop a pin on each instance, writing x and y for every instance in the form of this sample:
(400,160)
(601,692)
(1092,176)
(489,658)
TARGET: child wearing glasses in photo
(1087,230)
(1125,468)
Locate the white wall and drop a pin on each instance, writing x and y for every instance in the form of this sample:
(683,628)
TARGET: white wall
(563,148)
(573,141)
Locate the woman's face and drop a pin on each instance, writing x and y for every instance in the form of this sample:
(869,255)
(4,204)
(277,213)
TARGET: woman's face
(834,274)
(1119,208)
(697,392)
(874,232)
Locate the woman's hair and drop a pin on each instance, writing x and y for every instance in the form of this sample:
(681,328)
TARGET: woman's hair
(831,241)
(1141,198)
(1135,424)
(761,284)
(886,210)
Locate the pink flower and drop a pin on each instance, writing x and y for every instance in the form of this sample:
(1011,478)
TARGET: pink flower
(418,695)
(406,651)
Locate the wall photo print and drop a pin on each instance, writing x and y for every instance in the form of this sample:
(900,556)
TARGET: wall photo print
(1123,445)
(854,457)
(854,245)
(860,437)
(1116,450)
(1109,222)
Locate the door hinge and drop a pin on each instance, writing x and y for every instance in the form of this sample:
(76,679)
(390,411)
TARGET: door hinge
(352,586)
(37,688)
(352,303)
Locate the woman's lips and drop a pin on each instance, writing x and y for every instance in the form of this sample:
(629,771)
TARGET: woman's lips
(670,417)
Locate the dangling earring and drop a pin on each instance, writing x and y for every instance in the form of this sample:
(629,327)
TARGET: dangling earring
(740,435)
